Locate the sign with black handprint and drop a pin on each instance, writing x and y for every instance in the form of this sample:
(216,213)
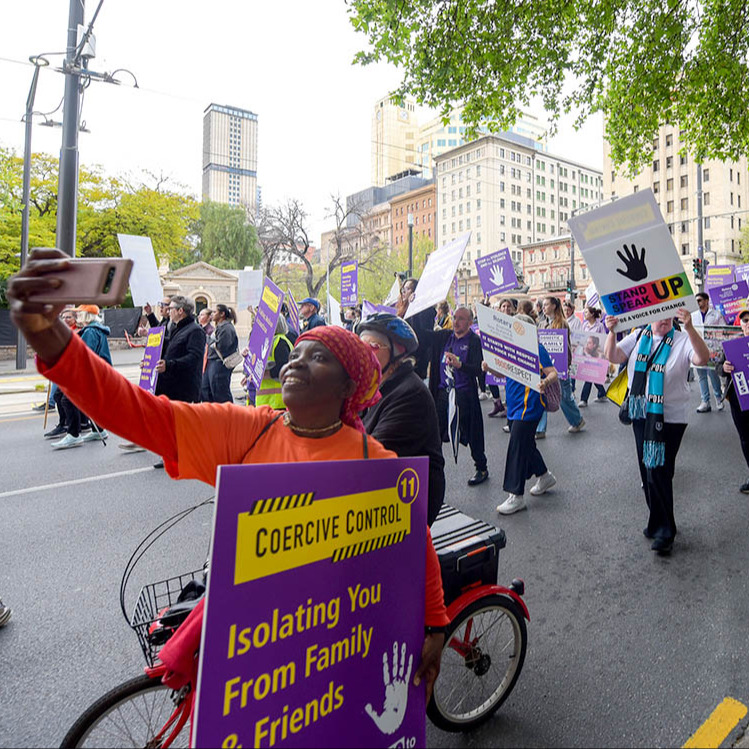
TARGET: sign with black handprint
(631,256)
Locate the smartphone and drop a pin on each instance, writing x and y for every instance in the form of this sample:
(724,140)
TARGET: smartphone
(100,281)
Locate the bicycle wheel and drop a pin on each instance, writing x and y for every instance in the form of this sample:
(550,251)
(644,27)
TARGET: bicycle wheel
(481,661)
(131,715)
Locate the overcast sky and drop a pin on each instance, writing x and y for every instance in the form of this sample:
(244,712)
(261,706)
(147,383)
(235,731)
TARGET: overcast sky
(288,61)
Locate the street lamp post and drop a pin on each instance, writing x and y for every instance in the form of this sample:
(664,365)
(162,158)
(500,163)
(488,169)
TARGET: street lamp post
(410,245)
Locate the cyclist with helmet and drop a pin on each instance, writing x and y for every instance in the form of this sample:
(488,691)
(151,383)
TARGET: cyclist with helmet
(405,419)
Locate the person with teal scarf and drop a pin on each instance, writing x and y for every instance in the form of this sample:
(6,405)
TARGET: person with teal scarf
(658,360)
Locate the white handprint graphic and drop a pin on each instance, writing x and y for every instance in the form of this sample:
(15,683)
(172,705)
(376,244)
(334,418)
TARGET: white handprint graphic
(497,275)
(353,288)
(396,692)
(264,349)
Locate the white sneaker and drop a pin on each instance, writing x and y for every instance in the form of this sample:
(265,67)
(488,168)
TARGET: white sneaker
(720,405)
(513,503)
(703,408)
(602,399)
(582,404)
(483,396)
(94,436)
(67,441)
(544,482)
(131,447)
(506,428)
(578,428)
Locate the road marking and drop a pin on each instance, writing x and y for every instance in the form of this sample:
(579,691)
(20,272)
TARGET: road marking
(73,482)
(3,420)
(716,728)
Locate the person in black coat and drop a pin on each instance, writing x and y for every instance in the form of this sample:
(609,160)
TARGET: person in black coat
(181,365)
(216,387)
(460,349)
(405,419)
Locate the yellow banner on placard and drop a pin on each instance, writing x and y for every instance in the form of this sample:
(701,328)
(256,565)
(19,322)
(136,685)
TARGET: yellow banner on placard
(154,339)
(283,533)
(348,268)
(270,299)
(626,220)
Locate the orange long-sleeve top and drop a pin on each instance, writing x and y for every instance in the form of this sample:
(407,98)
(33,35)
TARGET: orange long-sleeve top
(228,435)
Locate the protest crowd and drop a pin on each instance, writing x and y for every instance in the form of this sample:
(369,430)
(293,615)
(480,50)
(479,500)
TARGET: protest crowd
(385,381)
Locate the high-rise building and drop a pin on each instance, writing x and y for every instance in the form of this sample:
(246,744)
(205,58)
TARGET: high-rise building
(673,179)
(508,194)
(401,144)
(230,156)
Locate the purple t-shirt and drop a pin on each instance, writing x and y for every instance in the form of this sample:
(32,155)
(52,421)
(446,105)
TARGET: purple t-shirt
(459,347)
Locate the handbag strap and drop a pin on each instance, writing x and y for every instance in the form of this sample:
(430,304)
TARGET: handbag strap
(265,429)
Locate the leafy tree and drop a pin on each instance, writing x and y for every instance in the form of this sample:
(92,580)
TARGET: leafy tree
(226,238)
(639,62)
(744,243)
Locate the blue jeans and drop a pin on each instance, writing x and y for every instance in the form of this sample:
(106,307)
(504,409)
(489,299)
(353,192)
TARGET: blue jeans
(702,376)
(569,408)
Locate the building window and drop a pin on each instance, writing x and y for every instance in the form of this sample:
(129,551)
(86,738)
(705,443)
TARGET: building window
(707,222)
(669,140)
(685,204)
(670,206)
(705,198)
(656,187)
(656,165)
(669,184)
(685,248)
(682,160)
(705,175)
(684,181)
(683,227)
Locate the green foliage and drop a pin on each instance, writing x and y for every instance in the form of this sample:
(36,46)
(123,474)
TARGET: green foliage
(744,243)
(226,238)
(639,62)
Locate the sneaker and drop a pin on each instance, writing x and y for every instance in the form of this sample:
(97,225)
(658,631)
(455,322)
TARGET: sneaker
(544,483)
(744,488)
(68,441)
(131,447)
(582,404)
(513,503)
(5,614)
(42,406)
(160,464)
(483,396)
(602,399)
(58,431)
(478,478)
(720,405)
(578,428)
(94,436)
(506,428)
(86,427)
(703,408)
(540,435)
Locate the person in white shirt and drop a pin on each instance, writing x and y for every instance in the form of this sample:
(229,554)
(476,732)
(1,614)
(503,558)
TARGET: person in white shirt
(658,360)
(706,315)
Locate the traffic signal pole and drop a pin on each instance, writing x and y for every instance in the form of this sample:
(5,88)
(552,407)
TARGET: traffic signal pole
(700,248)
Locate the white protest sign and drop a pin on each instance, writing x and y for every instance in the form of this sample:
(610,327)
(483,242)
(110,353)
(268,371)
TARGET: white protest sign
(633,260)
(249,288)
(434,284)
(393,294)
(334,312)
(510,346)
(145,283)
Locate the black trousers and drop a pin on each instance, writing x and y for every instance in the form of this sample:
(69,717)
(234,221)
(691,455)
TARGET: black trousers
(58,405)
(71,416)
(740,421)
(523,457)
(587,387)
(471,429)
(216,385)
(658,482)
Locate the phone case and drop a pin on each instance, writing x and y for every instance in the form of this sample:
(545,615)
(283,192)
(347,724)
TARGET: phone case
(100,281)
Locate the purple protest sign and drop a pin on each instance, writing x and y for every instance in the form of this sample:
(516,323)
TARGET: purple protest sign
(151,354)
(291,305)
(730,299)
(496,272)
(555,343)
(263,330)
(496,381)
(588,361)
(737,352)
(718,275)
(307,600)
(368,309)
(349,283)
(742,272)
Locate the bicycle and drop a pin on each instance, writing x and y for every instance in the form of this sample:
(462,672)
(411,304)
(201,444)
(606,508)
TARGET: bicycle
(477,675)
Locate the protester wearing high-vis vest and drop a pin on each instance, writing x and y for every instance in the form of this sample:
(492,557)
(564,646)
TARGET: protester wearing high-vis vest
(269,393)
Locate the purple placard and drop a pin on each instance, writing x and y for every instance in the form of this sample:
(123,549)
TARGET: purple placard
(263,330)
(291,305)
(741,272)
(349,283)
(492,380)
(719,275)
(151,354)
(730,299)
(456,291)
(555,343)
(309,634)
(737,352)
(369,308)
(496,272)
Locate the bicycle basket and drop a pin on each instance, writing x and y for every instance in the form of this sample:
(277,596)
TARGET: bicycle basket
(150,606)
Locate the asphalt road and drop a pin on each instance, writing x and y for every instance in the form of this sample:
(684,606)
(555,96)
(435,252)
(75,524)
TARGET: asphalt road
(625,648)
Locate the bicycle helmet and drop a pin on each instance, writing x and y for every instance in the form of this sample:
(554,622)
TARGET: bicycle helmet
(395,329)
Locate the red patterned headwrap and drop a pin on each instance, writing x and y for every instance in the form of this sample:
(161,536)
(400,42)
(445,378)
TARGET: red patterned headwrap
(360,363)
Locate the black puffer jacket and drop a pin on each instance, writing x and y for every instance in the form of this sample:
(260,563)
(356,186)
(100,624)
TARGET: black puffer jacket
(405,421)
(184,362)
